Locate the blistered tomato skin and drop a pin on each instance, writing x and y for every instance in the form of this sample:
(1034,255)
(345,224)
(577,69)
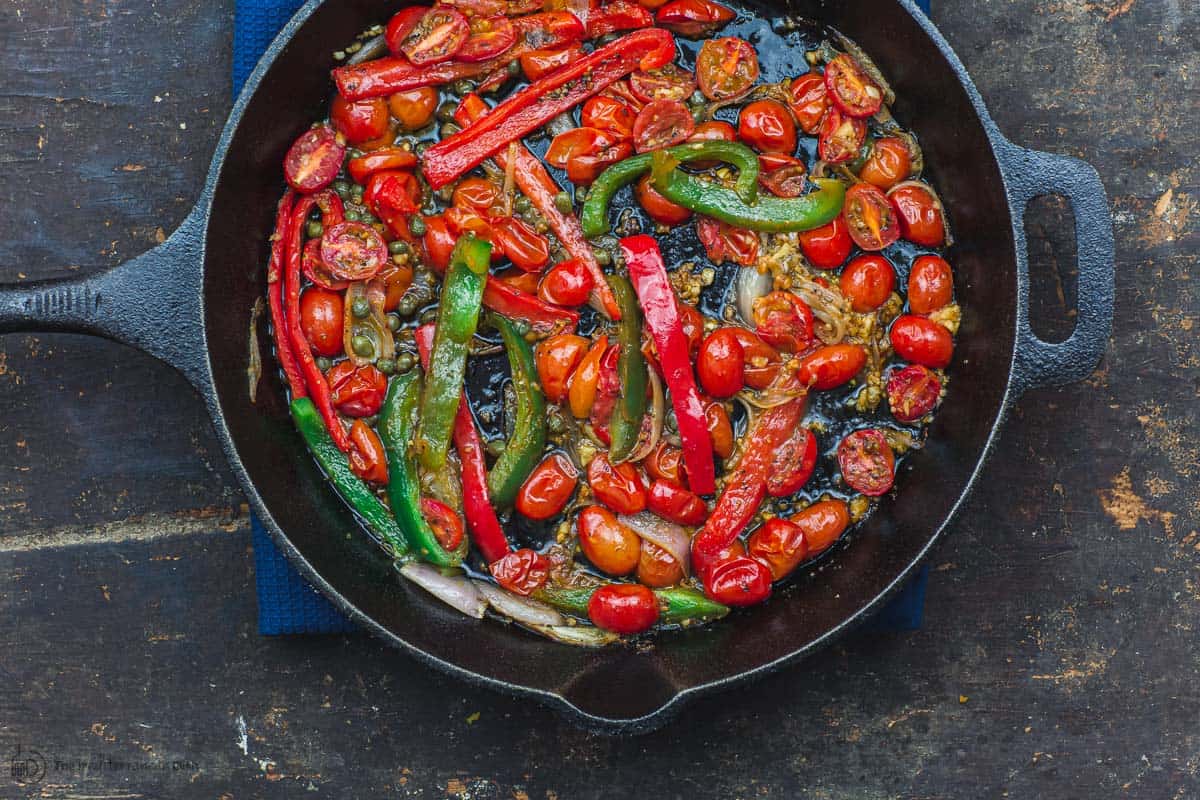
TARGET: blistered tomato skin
(356,391)
(657,568)
(922,341)
(822,524)
(548,488)
(721,365)
(867,462)
(920,214)
(321,320)
(828,246)
(930,285)
(779,545)
(913,392)
(768,127)
(624,608)
(612,547)
(521,571)
(674,504)
(740,581)
(868,281)
(832,366)
(620,486)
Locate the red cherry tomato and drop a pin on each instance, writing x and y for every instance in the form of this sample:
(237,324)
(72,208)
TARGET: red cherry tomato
(321,320)
(400,25)
(611,547)
(922,220)
(585,152)
(922,341)
(367,457)
(889,163)
(389,158)
(822,524)
(659,208)
(762,361)
(656,567)
(930,285)
(913,392)
(622,93)
(605,113)
(624,608)
(832,366)
(447,525)
(740,581)
(414,109)
(721,364)
(870,217)
(723,242)
(556,359)
(784,321)
(477,194)
(694,18)
(828,246)
(357,391)
(668,82)
(767,126)
(619,486)
(313,160)
(867,462)
(809,101)
(851,87)
(868,281)
(360,121)
(396,280)
(665,463)
(792,463)
(536,64)
(490,36)
(461,221)
(617,15)
(726,68)
(662,123)
(779,545)
(713,130)
(720,429)
(548,488)
(315,270)
(438,36)
(521,571)
(782,176)
(704,562)
(566,284)
(676,504)
(526,248)
(691,322)
(353,251)
(439,242)
(841,137)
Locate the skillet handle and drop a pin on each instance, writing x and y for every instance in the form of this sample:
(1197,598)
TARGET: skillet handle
(1029,174)
(152,302)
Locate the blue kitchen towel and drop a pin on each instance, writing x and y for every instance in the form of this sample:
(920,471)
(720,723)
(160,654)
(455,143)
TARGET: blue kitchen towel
(286,603)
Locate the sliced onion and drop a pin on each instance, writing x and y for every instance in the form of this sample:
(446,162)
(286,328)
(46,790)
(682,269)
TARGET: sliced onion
(658,531)
(560,124)
(372,48)
(827,305)
(455,591)
(522,609)
(751,285)
(510,171)
(657,411)
(937,201)
(768,398)
(869,66)
(254,357)
(578,635)
(374,326)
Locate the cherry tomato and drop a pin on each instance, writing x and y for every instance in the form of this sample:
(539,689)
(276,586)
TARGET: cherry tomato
(315,270)
(726,68)
(624,608)
(439,242)
(526,248)
(784,321)
(656,567)
(720,429)
(612,548)
(660,209)
(889,163)
(913,392)
(605,113)
(662,123)
(870,217)
(537,64)
(438,36)
(762,361)
(313,160)
(779,545)
(548,488)
(461,221)
(867,462)
(665,463)
(585,152)
(668,82)
(713,130)
(357,391)
(414,109)
(321,320)
(930,285)
(361,120)
(400,25)
(922,220)
(739,581)
(622,93)
(822,523)
(567,283)
(792,463)
(922,341)
(831,366)
(393,196)
(852,88)
(691,322)
(353,251)
(809,101)
(581,388)
(694,18)
(477,194)
(446,524)
(767,126)
(490,36)
(782,176)
(521,571)
(617,15)
(396,280)
(367,457)
(721,364)
(828,246)
(520,279)
(867,282)
(389,158)
(841,137)
(723,242)
(704,562)
(556,359)
(619,486)
(676,504)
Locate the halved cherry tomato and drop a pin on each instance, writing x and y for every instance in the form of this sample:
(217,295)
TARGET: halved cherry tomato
(556,359)
(783,320)
(867,462)
(536,64)
(617,15)
(390,158)
(656,567)
(581,389)
(723,242)
(810,99)
(477,194)
(668,82)
(438,36)
(367,457)
(400,25)
(832,366)
(521,571)
(922,341)
(693,18)
(720,429)
(568,283)
(676,504)
(396,280)
(889,163)
(726,68)
(659,208)
(414,109)
(621,92)
(739,581)
(439,242)
(930,285)
(691,322)
(913,392)
(828,246)
(618,486)
(610,546)
(867,282)
(315,270)
(321,320)
(851,87)
(762,361)
(920,211)
(526,248)
(624,608)
(782,176)
(361,120)
(792,463)
(548,488)
(665,463)
(822,523)
(446,524)
(704,562)
(779,545)
(313,160)
(353,251)
(767,126)
(841,137)
(662,123)
(490,36)
(721,364)
(608,114)
(357,391)
(870,218)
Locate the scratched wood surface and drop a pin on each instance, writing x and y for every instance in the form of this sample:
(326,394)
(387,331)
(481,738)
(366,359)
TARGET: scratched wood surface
(1060,655)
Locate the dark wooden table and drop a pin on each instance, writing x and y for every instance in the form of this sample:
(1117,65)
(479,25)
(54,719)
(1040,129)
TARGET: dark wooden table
(1060,655)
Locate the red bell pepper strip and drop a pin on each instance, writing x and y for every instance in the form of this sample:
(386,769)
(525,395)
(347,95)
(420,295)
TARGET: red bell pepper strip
(283,345)
(536,184)
(362,167)
(509,301)
(331,209)
(486,531)
(657,298)
(539,102)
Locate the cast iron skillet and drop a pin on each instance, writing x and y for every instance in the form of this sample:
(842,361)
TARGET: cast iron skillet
(200,284)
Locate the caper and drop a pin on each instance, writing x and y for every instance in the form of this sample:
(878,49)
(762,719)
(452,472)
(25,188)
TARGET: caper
(398,247)
(514,69)
(362,346)
(314,229)
(422,147)
(342,188)
(521,326)
(370,421)
(339,55)
(407,305)
(448,129)
(602,256)
(356,193)
(522,205)
(445,112)
(360,307)
(581,193)
(353,153)
(404,362)
(385,365)
(352,215)
(555,423)
(562,201)
(394,322)
(697,98)
(463,87)
(417,226)
(497,447)
(323,363)
(429,316)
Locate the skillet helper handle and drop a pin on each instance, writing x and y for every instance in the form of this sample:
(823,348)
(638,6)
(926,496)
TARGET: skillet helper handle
(152,302)
(1029,174)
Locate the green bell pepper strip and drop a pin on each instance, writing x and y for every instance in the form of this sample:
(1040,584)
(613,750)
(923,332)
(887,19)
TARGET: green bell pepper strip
(770,214)
(594,216)
(524,448)
(677,604)
(396,423)
(458,316)
(625,424)
(352,488)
